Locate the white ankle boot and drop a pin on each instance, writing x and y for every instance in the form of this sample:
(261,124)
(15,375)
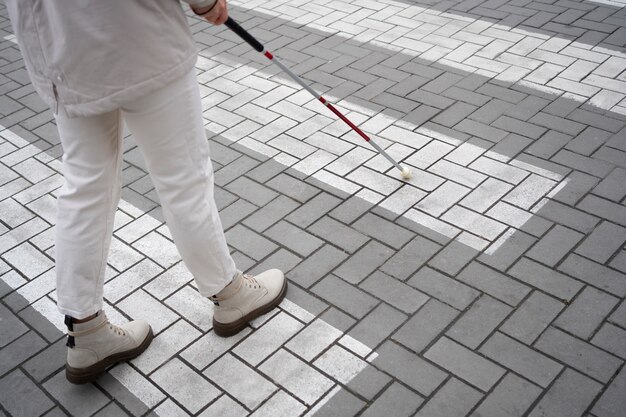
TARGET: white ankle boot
(97,344)
(245,299)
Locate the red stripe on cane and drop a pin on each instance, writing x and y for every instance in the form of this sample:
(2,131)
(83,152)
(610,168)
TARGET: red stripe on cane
(345,119)
(269,55)
(322,99)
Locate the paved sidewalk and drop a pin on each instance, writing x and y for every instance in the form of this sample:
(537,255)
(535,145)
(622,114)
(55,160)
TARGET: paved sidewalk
(490,285)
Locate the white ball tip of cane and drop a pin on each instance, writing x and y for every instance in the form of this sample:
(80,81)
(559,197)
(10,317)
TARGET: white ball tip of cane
(406,173)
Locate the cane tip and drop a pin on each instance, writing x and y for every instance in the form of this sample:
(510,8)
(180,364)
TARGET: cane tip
(406,173)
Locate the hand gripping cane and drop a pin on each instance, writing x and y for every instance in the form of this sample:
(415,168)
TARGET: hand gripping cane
(243,34)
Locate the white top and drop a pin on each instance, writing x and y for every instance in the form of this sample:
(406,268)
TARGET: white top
(92,56)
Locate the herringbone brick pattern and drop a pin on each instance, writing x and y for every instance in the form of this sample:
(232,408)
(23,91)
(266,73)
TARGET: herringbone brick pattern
(491,284)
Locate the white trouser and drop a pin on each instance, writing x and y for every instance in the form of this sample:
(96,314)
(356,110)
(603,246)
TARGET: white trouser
(167,126)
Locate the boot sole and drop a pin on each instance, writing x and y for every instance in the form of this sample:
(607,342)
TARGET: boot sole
(231,329)
(91,373)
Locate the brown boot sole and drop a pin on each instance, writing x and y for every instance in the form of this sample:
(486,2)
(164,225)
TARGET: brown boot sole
(91,373)
(230,329)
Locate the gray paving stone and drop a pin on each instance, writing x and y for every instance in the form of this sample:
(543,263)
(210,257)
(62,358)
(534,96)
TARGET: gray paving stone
(82,400)
(454,399)
(612,187)
(507,249)
(402,401)
(122,395)
(270,213)
(312,210)
(548,280)
(239,380)
(377,325)
(340,402)
(49,361)
(554,245)
(280,405)
(457,254)
(111,410)
(19,350)
(224,407)
(479,321)
(409,368)
(364,262)
(293,188)
(338,234)
(294,238)
(577,185)
(394,292)
(604,208)
(578,354)
(586,313)
(252,191)
(595,274)
(494,283)
(612,339)
(531,318)
(521,359)
(383,230)
(317,266)
(612,402)
(511,397)
(410,258)
(11,327)
(234,213)
(345,296)
(603,242)
(442,198)
(15,388)
(249,242)
(570,395)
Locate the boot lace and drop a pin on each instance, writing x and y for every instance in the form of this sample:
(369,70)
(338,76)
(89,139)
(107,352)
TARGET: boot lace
(118,330)
(251,282)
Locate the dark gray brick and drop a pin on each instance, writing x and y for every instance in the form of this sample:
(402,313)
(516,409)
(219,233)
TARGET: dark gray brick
(341,403)
(41,324)
(270,213)
(410,258)
(338,234)
(570,395)
(345,296)
(79,400)
(351,209)
(234,213)
(604,208)
(338,319)
(252,191)
(317,266)
(364,262)
(613,187)
(606,239)
(511,397)
(394,292)
(532,317)
(19,350)
(281,259)
(111,410)
(612,339)
(369,382)
(546,279)
(454,257)
(507,249)
(577,186)
(377,325)
(249,242)
(409,368)
(455,399)
(267,170)
(21,397)
(56,412)
(578,354)
(294,238)
(554,245)
(423,327)
(402,401)
(567,216)
(479,321)
(313,210)
(291,187)
(383,230)
(520,358)
(586,313)
(11,327)
(619,315)
(234,170)
(612,403)
(49,361)
(595,274)
(465,364)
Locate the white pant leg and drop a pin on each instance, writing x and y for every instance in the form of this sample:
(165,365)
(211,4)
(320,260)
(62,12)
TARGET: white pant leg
(167,126)
(86,208)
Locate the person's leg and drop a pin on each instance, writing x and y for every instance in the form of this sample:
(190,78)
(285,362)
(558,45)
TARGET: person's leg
(86,208)
(168,128)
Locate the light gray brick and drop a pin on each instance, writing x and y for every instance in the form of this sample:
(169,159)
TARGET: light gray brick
(578,354)
(532,317)
(429,154)
(280,404)
(613,401)
(522,359)
(364,262)
(457,173)
(554,245)
(570,395)
(612,339)
(454,399)
(529,191)
(345,296)
(375,181)
(595,274)
(511,397)
(499,170)
(485,195)
(394,292)
(442,198)
(473,222)
(409,368)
